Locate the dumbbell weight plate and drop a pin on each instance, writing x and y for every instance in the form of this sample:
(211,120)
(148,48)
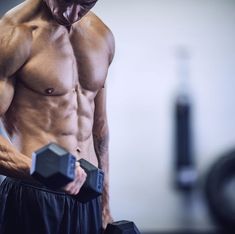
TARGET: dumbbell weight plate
(53,166)
(122,227)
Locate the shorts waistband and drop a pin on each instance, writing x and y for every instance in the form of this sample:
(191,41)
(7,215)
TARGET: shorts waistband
(34,185)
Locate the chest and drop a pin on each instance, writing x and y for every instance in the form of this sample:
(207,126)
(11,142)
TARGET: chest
(61,61)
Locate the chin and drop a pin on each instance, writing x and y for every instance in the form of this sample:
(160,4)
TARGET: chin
(64,21)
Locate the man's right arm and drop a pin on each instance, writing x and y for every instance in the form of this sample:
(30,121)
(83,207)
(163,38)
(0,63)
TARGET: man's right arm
(15,48)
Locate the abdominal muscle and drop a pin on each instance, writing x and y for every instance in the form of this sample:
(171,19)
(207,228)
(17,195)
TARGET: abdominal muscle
(35,120)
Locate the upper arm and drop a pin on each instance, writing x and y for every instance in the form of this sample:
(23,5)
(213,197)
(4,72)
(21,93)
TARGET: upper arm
(15,47)
(100,115)
(102,31)
(100,127)
(111,43)
(6,94)
(105,40)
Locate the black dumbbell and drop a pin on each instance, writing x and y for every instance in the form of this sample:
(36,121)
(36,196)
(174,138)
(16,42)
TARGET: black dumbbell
(122,227)
(54,166)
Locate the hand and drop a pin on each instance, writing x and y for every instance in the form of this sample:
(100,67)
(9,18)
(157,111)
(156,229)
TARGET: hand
(74,187)
(106,217)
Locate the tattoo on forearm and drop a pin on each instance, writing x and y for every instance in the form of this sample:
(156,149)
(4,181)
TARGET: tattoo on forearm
(101,147)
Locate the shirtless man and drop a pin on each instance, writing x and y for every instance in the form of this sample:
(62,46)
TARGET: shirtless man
(54,59)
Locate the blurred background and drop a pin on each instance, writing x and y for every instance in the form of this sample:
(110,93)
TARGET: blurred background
(172,78)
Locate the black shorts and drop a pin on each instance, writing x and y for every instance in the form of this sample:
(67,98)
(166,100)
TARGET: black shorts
(31,209)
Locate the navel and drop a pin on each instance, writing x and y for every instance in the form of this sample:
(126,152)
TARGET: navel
(75,89)
(78,149)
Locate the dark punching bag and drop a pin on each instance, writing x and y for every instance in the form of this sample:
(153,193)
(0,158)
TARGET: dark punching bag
(184,166)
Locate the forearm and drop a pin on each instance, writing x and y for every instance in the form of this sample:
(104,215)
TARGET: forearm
(12,162)
(101,143)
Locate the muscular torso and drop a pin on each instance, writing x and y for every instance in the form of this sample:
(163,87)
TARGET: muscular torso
(55,89)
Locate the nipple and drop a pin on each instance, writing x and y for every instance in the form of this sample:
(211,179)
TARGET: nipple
(49,90)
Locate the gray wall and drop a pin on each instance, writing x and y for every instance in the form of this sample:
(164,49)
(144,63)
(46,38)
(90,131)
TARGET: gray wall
(5,5)
(142,85)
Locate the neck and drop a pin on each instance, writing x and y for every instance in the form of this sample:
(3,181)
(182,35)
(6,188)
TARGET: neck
(46,14)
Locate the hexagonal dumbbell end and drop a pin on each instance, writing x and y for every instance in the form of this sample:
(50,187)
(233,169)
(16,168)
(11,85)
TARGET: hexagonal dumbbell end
(122,227)
(53,166)
(93,186)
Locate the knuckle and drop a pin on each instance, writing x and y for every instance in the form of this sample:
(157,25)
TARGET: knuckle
(77,191)
(69,192)
(84,176)
(82,171)
(66,188)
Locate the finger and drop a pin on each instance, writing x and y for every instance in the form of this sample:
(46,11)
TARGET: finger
(79,180)
(75,186)
(68,187)
(77,164)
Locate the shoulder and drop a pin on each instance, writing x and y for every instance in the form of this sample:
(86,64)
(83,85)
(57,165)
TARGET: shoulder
(18,17)
(97,29)
(23,12)
(14,21)
(14,34)
(15,46)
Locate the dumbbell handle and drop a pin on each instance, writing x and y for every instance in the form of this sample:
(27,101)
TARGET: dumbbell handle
(93,186)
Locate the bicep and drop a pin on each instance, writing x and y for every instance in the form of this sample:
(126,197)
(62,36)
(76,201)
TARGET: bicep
(6,94)
(15,49)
